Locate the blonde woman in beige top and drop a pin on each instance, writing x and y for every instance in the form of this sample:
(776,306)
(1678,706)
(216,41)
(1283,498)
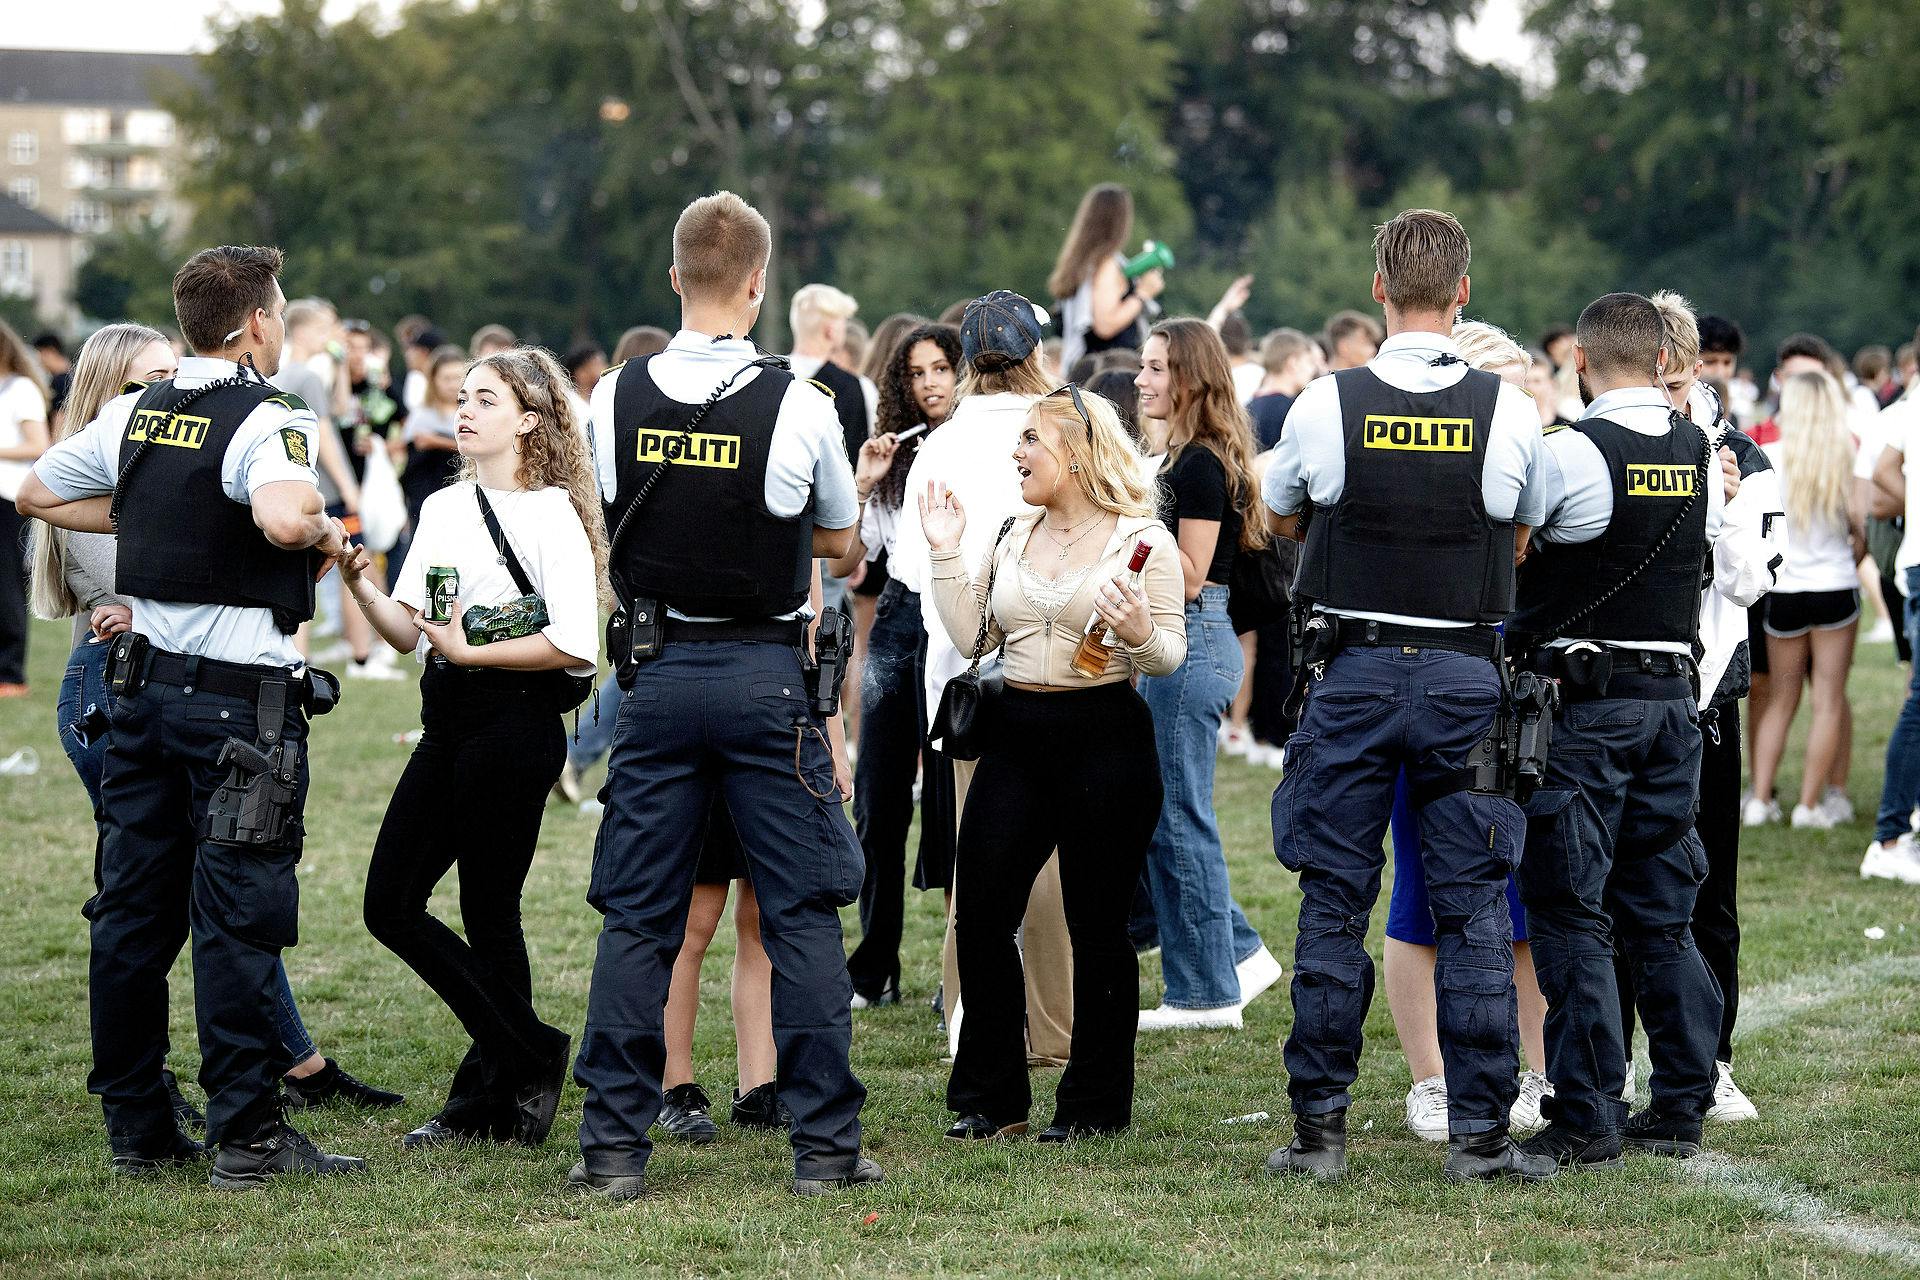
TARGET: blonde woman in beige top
(1069,761)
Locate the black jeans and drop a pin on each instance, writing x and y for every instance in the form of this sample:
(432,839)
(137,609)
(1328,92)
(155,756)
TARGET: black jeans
(472,795)
(893,723)
(1075,770)
(13,596)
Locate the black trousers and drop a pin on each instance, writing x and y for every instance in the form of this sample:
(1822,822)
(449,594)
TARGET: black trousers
(1078,771)
(893,723)
(1716,915)
(13,596)
(472,796)
(159,876)
(1272,677)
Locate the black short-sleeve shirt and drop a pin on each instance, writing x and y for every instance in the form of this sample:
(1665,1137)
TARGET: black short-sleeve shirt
(1195,488)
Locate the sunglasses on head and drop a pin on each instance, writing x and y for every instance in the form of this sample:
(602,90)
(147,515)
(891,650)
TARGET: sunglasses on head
(1079,405)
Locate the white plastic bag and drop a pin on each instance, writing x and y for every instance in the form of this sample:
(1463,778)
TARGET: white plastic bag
(383,508)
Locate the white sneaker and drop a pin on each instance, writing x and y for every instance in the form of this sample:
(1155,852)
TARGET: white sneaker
(1729,1103)
(1838,805)
(1225,1018)
(1627,1091)
(332,654)
(1234,741)
(1427,1108)
(1758,813)
(1882,633)
(1276,758)
(1813,818)
(1256,973)
(371,670)
(1898,861)
(1526,1108)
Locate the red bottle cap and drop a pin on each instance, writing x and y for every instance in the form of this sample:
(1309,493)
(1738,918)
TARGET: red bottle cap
(1140,553)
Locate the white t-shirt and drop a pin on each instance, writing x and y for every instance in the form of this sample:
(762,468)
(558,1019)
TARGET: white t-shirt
(1822,558)
(1247,377)
(546,535)
(1900,419)
(20,401)
(880,528)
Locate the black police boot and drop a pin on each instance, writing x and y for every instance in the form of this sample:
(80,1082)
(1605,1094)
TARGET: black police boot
(1319,1147)
(274,1151)
(1572,1148)
(760,1108)
(611,1186)
(1662,1135)
(1489,1156)
(977,1128)
(185,1114)
(864,1173)
(685,1115)
(537,1100)
(145,1157)
(331,1084)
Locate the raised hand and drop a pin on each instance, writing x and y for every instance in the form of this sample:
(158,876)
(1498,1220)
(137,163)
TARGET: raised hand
(942,517)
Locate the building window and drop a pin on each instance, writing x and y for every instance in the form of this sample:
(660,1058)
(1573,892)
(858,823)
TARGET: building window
(144,173)
(16,267)
(149,128)
(87,216)
(24,147)
(84,172)
(82,127)
(25,189)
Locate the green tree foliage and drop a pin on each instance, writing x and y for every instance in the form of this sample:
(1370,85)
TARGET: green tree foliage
(128,275)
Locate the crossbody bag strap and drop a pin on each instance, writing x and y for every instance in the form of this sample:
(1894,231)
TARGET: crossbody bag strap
(986,606)
(501,544)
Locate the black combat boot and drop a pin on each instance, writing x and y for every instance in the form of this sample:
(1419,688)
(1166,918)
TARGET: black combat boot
(1489,1156)
(1319,1147)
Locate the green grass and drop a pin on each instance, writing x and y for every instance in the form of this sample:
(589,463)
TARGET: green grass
(1180,1195)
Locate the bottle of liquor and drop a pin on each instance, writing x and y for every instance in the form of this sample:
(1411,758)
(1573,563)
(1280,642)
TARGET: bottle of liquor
(1097,645)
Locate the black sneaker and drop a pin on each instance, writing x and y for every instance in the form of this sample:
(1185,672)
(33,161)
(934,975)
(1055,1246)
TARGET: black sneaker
(761,1108)
(1662,1135)
(1487,1157)
(186,1116)
(1572,1148)
(889,994)
(436,1132)
(331,1084)
(685,1115)
(864,1173)
(276,1152)
(977,1128)
(143,1158)
(538,1100)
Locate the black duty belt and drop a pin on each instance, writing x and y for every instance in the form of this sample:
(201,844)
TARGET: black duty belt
(1589,673)
(1478,642)
(679,631)
(193,675)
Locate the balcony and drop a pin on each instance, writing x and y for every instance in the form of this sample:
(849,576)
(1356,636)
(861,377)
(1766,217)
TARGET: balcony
(116,149)
(120,193)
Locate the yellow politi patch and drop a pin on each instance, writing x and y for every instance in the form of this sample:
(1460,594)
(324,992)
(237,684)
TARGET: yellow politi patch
(701,449)
(1649,480)
(183,431)
(1423,435)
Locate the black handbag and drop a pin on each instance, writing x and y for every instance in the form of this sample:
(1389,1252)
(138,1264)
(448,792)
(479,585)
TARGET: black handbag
(964,721)
(562,690)
(1260,584)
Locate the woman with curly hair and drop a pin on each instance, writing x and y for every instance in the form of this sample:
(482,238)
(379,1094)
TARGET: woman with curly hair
(916,395)
(475,788)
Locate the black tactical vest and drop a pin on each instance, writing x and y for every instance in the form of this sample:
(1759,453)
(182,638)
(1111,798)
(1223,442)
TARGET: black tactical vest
(1410,533)
(704,541)
(181,538)
(1653,477)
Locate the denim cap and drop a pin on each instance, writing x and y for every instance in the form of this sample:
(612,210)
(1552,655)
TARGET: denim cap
(1004,327)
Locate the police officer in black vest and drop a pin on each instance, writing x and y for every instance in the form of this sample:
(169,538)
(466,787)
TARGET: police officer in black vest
(1412,481)
(208,480)
(724,477)
(1610,604)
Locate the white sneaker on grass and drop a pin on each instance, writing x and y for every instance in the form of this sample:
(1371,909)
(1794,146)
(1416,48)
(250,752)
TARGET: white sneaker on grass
(1897,861)
(1166,1018)
(1427,1108)
(371,670)
(1837,804)
(1256,973)
(1813,818)
(1234,741)
(1756,812)
(1729,1102)
(1525,1115)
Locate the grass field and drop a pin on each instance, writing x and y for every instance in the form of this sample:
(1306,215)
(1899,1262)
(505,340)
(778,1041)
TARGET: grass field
(1823,1184)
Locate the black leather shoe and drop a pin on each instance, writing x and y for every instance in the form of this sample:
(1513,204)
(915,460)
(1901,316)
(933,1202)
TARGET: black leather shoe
(977,1128)
(864,1173)
(1572,1148)
(1662,1135)
(276,1152)
(1486,1157)
(1318,1149)
(436,1132)
(1072,1133)
(137,1158)
(685,1115)
(760,1108)
(537,1100)
(186,1116)
(610,1186)
(331,1084)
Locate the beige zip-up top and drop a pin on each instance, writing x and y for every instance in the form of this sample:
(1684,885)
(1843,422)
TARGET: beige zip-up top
(1037,629)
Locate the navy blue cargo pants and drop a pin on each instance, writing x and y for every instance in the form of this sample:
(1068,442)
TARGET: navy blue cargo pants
(1378,710)
(728,718)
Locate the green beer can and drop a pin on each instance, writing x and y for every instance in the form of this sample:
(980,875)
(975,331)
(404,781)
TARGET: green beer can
(443,584)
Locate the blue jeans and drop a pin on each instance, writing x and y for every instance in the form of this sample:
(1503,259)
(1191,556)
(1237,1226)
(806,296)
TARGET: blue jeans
(1901,789)
(594,737)
(1203,932)
(84,687)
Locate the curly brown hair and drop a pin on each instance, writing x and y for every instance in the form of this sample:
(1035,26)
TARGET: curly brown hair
(898,408)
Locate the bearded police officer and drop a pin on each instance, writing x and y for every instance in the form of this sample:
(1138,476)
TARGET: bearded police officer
(208,480)
(1610,605)
(723,478)
(1411,479)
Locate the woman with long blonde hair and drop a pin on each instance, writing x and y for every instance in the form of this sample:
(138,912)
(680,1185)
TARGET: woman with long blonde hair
(522,519)
(1069,761)
(1814,611)
(1212,960)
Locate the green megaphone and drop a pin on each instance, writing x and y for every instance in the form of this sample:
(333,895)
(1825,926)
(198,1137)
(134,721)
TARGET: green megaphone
(1154,256)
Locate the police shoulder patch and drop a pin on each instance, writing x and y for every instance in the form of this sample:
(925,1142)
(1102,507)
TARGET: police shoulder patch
(1551,428)
(614,369)
(821,387)
(133,387)
(294,441)
(289,401)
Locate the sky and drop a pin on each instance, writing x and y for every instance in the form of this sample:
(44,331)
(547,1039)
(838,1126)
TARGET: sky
(179,26)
